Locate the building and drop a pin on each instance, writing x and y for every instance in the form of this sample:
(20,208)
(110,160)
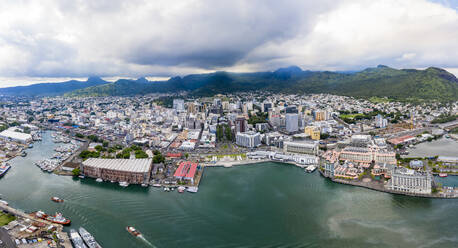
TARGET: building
(178,104)
(292,123)
(266,106)
(300,147)
(134,171)
(416,164)
(186,171)
(240,125)
(320,115)
(248,139)
(410,181)
(313,132)
(380,122)
(11,134)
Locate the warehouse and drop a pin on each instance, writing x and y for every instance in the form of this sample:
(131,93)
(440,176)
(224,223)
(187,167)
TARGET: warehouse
(133,171)
(11,134)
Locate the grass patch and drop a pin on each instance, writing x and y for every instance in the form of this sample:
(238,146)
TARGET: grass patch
(350,116)
(376,99)
(6,218)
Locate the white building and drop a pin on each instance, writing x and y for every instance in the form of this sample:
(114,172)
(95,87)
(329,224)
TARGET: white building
(300,147)
(248,139)
(12,135)
(410,181)
(292,123)
(178,104)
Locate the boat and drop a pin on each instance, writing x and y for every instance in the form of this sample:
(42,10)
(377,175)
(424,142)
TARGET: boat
(144,185)
(58,219)
(310,168)
(30,145)
(81,176)
(133,231)
(40,214)
(443,175)
(123,184)
(166,189)
(192,189)
(56,199)
(88,238)
(181,189)
(157,185)
(99,180)
(3,169)
(76,239)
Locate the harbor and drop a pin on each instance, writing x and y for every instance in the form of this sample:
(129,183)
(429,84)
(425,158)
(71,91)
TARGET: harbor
(237,198)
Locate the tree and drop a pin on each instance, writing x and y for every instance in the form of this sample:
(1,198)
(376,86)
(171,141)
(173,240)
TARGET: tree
(158,159)
(219,133)
(105,144)
(228,132)
(140,154)
(76,172)
(78,135)
(186,155)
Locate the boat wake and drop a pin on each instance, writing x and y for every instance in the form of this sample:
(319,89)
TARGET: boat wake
(146,241)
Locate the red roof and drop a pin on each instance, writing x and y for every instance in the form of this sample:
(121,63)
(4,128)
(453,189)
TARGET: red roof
(186,170)
(173,155)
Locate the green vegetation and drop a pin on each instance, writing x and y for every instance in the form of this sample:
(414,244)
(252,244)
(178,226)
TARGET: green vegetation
(454,130)
(76,172)
(125,153)
(88,154)
(259,117)
(158,157)
(223,132)
(6,218)
(444,119)
(94,138)
(373,83)
(140,154)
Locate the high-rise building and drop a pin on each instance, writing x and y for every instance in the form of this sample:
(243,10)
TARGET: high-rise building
(320,115)
(292,123)
(380,122)
(266,106)
(240,125)
(313,132)
(411,181)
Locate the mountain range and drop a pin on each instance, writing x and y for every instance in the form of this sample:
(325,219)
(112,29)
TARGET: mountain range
(382,81)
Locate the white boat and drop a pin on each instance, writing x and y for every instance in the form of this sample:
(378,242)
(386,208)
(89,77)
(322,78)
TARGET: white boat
(193,189)
(81,176)
(310,168)
(157,185)
(181,189)
(166,189)
(144,185)
(123,184)
(99,180)
(88,238)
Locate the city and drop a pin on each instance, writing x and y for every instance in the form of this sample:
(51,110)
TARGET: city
(199,123)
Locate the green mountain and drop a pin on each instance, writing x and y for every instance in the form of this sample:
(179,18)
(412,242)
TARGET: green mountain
(51,89)
(381,81)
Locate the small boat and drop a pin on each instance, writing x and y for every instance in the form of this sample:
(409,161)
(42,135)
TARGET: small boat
(3,169)
(81,176)
(443,175)
(99,180)
(31,146)
(192,189)
(56,199)
(123,184)
(166,189)
(157,185)
(88,238)
(58,219)
(181,189)
(144,185)
(133,231)
(23,154)
(310,168)
(76,239)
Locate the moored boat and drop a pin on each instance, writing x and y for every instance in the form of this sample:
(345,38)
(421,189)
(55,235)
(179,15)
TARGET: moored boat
(56,199)
(123,184)
(76,239)
(99,180)
(443,174)
(133,231)
(181,189)
(58,219)
(3,169)
(88,238)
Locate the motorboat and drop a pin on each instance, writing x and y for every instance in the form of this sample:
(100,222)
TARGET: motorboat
(181,189)
(56,199)
(99,180)
(133,231)
(123,184)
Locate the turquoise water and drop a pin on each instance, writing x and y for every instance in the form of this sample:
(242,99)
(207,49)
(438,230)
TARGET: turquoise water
(263,205)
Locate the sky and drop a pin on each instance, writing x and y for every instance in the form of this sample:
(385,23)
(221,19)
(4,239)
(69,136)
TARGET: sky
(51,40)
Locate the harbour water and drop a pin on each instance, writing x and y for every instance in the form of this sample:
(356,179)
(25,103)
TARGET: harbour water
(262,205)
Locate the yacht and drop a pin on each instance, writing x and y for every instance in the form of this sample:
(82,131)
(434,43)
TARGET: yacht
(123,184)
(99,180)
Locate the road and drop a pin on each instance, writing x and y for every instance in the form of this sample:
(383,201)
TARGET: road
(6,239)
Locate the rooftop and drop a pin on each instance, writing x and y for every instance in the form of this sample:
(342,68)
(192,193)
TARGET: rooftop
(130,165)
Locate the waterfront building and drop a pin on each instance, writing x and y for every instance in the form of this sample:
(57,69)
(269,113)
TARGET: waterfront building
(410,181)
(292,123)
(248,139)
(356,154)
(300,147)
(186,171)
(133,171)
(329,169)
(11,134)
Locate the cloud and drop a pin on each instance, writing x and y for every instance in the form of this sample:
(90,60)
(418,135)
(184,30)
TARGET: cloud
(134,38)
